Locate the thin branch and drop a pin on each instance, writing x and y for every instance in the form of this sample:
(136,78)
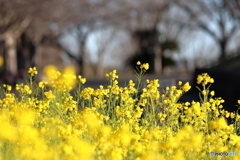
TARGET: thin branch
(68,53)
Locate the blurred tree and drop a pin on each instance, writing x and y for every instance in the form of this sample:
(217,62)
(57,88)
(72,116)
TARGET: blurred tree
(144,28)
(214,18)
(117,14)
(234,7)
(22,26)
(26,50)
(104,41)
(148,42)
(81,32)
(29,24)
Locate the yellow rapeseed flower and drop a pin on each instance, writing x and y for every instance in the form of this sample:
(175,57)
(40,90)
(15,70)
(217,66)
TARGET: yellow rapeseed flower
(179,83)
(145,66)
(70,70)
(32,71)
(42,84)
(112,121)
(83,80)
(212,93)
(49,70)
(186,87)
(204,92)
(49,95)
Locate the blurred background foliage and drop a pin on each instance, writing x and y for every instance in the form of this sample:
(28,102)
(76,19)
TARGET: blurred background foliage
(174,36)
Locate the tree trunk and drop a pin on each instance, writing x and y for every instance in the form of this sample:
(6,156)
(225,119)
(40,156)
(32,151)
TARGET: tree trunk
(158,60)
(99,71)
(81,61)
(11,54)
(223,52)
(82,57)
(25,53)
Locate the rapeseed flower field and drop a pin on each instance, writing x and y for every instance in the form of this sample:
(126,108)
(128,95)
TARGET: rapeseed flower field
(51,120)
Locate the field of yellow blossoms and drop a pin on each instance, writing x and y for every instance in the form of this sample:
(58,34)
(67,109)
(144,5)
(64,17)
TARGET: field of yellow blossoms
(61,119)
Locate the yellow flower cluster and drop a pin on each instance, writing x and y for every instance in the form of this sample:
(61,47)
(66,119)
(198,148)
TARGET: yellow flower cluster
(64,81)
(7,87)
(143,66)
(82,80)
(32,71)
(204,79)
(186,87)
(87,92)
(112,75)
(113,122)
(23,88)
(42,84)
